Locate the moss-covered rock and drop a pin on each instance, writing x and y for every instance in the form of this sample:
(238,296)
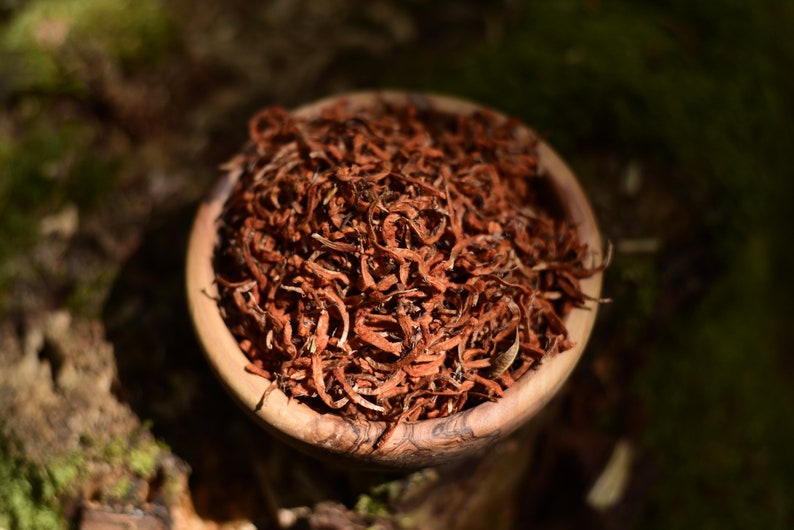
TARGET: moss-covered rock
(65,437)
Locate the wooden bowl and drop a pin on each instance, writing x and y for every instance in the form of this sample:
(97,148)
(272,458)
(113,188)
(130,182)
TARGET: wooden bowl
(413,445)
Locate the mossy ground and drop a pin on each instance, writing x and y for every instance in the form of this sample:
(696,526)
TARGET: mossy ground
(692,99)
(700,96)
(36,496)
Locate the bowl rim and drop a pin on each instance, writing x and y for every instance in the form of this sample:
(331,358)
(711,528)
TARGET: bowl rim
(417,444)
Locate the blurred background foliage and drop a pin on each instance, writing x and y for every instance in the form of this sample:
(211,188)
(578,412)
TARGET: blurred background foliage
(676,116)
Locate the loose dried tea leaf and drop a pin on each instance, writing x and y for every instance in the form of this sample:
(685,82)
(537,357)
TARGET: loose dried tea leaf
(393,263)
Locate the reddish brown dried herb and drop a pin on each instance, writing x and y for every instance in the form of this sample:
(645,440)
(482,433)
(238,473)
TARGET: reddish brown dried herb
(393,263)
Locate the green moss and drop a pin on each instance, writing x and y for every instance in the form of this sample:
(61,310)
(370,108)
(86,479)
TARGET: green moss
(114,450)
(63,474)
(27,496)
(388,491)
(371,506)
(639,279)
(31,495)
(119,489)
(137,453)
(56,47)
(142,459)
(50,45)
(722,434)
(44,166)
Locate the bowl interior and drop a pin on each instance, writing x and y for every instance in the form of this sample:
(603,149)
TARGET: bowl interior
(418,444)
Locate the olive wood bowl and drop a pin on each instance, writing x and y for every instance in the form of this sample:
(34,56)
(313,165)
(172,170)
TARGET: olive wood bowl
(413,445)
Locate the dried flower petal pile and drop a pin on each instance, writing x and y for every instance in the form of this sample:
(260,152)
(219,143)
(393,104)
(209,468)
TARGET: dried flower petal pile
(394,263)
